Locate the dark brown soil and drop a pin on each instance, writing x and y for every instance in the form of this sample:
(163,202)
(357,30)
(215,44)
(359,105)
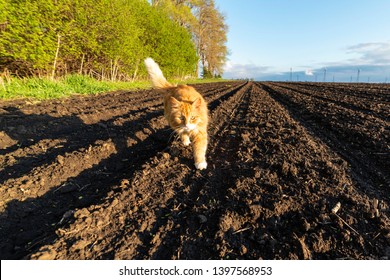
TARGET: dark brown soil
(102,177)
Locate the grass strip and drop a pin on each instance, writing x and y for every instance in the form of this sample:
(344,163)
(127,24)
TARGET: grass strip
(44,88)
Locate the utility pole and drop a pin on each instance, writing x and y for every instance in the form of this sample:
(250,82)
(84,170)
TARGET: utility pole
(324,75)
(358,76)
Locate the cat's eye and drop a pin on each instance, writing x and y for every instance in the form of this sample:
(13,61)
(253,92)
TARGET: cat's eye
(193,118)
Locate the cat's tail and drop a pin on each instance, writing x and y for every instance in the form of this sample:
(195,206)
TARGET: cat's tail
(156,75)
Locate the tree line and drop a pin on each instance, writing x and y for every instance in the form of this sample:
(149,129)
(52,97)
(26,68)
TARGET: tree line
(109,39)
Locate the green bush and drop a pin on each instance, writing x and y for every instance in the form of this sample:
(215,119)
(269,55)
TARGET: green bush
(108,39)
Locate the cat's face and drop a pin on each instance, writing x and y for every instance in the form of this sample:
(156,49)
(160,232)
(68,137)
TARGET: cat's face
(185,115)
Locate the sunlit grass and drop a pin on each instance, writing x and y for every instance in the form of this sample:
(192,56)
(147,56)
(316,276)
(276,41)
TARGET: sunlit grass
(44,88)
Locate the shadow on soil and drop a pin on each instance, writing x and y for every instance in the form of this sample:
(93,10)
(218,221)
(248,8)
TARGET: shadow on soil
(26,225)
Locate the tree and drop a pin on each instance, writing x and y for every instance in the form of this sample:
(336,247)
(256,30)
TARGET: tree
(210,36)
(207,26)
(180,11)
(168,43)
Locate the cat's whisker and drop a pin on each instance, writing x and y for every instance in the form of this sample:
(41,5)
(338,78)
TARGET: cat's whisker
(176,134)
(173,134)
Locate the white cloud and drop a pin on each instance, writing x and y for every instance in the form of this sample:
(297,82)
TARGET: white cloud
(371,53)
(234,70)
(309,72)
(372,59)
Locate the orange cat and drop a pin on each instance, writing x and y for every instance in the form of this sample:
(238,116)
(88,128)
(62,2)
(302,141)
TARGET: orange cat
(185,110)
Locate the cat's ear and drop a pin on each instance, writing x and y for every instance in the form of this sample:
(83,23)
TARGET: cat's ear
(196,104)
(174,102)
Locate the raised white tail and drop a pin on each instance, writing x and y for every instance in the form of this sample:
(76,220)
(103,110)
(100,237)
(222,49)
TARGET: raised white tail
(156,75)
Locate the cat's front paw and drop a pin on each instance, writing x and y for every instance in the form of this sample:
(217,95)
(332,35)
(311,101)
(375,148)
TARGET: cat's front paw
(201,165)
(186,142)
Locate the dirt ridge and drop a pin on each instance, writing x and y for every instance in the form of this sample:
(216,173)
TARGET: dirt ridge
(102,177)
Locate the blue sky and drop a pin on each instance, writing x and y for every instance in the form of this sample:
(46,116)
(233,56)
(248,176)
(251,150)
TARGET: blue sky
(307,39)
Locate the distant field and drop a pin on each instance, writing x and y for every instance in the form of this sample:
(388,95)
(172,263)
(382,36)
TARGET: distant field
(100,177)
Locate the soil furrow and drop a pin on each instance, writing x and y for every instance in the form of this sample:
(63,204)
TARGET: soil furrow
(50,175)
(71,130)
(369,92)
(143,177)
(183,184)
(365,107)
(365,149)
(276,211)
(207,198)
(76,184)
(103,177)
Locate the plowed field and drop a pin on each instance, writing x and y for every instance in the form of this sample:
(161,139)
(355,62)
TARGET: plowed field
(102,177)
